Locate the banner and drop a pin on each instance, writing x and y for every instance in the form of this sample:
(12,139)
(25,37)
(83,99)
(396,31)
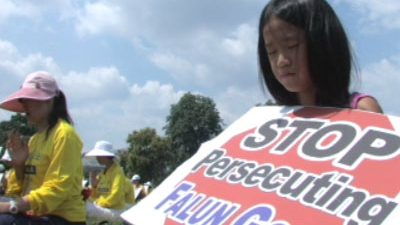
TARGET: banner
(286,166)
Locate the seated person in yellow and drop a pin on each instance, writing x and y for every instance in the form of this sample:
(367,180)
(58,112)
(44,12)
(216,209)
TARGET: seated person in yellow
(107,200)
(8,180)
(48,170)
(137,187)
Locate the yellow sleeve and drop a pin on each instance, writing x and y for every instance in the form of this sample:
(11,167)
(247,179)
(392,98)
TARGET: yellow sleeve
(116,198)
(94,194)
(62,174)
(130,192)
(14,188)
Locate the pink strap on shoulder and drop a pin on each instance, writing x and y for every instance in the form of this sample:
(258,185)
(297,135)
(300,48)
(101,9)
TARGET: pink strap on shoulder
(357,98)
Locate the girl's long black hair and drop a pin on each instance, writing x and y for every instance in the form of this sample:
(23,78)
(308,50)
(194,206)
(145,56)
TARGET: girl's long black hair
(60,111)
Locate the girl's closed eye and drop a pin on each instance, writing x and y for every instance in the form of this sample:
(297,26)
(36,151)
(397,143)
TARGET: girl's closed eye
(271,52)
(293,46)
(293,43)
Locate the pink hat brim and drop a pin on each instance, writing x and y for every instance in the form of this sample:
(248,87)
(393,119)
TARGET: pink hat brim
(12,102)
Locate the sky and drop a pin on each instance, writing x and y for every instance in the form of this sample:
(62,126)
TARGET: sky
(123,63)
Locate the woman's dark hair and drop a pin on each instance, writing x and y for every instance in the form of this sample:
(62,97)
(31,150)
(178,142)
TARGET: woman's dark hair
(329,53)
(59,111)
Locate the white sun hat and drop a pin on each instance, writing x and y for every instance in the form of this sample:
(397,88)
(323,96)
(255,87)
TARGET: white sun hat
(102,148)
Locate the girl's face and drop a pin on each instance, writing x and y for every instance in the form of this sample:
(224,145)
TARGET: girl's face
(287,52)
(37,112)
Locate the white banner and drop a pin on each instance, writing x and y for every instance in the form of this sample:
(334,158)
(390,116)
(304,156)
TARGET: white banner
(286,166)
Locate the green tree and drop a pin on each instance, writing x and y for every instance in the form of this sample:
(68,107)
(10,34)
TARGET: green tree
(192,121)
(269,102)
(17,122)
(148,155)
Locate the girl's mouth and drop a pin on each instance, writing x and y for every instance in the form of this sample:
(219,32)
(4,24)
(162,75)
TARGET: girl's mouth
(287,75)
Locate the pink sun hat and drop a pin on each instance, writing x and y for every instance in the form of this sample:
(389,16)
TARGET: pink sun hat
(38,85)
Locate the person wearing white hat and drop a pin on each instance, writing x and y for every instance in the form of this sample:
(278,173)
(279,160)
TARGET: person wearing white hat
(137,187)
(48,170)
(107,200)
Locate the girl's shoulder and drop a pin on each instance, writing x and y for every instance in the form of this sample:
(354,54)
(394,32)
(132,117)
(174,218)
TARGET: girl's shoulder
(65,128)
(65,131)
(356,97)
(365,102)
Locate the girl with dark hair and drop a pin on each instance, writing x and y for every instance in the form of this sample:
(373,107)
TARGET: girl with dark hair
(47,171)
(305,57)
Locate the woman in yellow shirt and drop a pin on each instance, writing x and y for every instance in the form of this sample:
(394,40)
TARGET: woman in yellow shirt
(109,189)
(48,171)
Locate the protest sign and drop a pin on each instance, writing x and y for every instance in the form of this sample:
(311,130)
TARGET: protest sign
(286,166)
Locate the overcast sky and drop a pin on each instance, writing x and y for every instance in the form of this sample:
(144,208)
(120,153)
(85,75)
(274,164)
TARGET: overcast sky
(122,63)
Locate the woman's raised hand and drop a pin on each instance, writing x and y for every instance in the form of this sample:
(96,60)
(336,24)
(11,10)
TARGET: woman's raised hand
(18,149)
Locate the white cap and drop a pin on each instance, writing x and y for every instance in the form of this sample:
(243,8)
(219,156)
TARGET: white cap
(101,148)
(135,177)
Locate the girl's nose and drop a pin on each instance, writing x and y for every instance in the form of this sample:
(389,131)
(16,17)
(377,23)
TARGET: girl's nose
(283,60)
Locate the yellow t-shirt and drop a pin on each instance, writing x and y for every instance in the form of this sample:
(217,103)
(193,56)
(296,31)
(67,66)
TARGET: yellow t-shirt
(53,174)
(110,190)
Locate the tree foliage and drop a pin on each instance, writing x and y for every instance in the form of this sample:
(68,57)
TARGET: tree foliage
(192,121)
(269,102)
(148,155)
